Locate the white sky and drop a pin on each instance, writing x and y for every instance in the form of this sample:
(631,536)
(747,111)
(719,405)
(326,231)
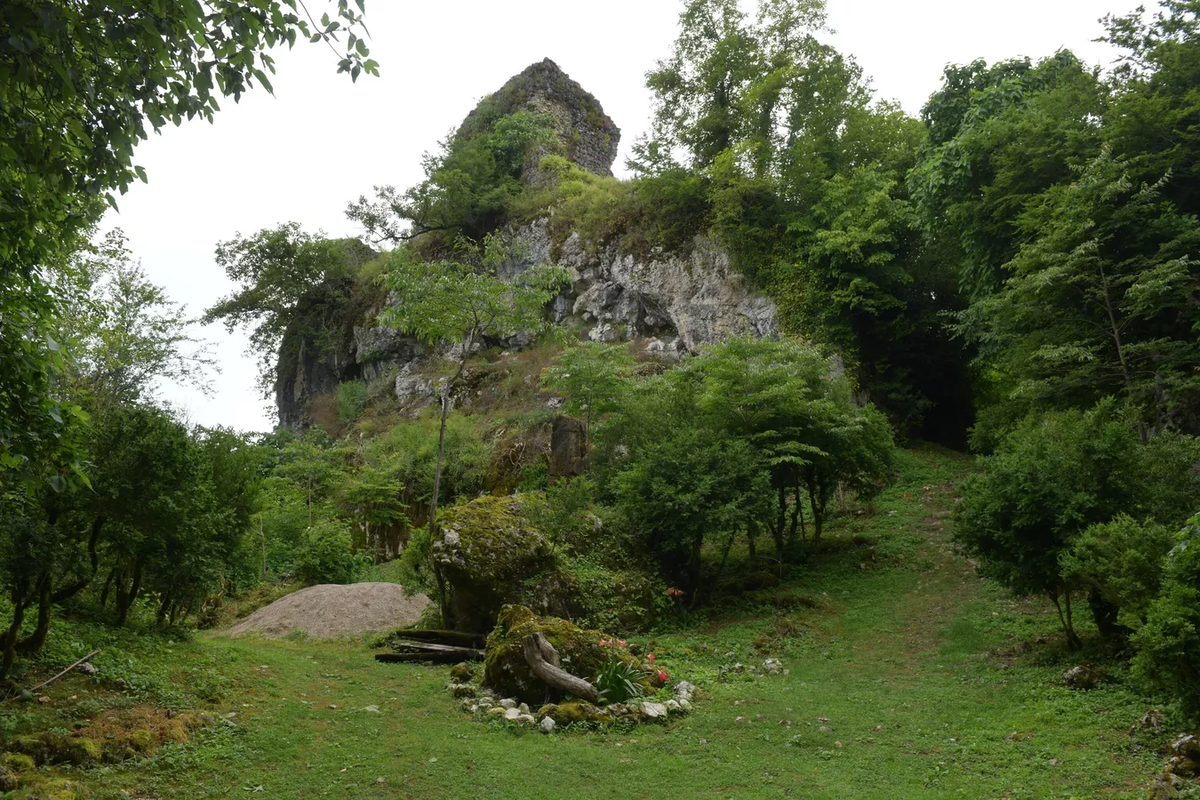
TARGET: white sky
(321,141)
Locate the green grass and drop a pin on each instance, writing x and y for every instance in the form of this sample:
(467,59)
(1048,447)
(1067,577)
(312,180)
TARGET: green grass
(923,672)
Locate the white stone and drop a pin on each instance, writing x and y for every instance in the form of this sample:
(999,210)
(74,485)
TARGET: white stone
(673,706)
(654,710)
(525,718)
(508,702)
(547,725)
(524,709)
(511,713)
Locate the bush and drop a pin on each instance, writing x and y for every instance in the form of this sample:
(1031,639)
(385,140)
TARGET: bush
(1120,565)
(351,400)
(1051,478)
(1169,643)
(325,555)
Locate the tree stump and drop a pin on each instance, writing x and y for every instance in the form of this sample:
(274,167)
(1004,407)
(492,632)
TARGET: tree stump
(543,660)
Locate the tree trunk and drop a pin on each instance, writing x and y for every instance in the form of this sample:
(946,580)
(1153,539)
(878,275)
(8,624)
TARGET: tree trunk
(543,660)
(798,513)
(818,516)
(1073,640)
(14,630)
(37,640)
(443,599)
(125,600)
(112,573)
(780,523)
(1105,614)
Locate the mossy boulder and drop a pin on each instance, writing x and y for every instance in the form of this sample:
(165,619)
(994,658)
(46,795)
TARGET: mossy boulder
(8,780)
(568,713)
(142,742)
(491,556)
(462,672)
(508,674)
(17,762)
(54,748)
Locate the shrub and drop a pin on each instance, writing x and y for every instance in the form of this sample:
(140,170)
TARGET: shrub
(1119,564)
(325,555)
(1169,643)
(351,400)
(1051,478)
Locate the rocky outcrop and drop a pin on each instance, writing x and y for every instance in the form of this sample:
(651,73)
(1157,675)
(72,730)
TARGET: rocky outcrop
(674,302)
(669,303)
(587,135)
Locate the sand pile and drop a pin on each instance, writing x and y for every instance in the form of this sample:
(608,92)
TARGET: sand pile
(330,611)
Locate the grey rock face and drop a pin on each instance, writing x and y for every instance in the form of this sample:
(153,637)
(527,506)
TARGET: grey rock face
(676,302)
(587,135)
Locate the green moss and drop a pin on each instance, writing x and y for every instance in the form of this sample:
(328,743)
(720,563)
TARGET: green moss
(30,746)
(55,748)
(174,731)
(486,549)
(18,762)
(8,780)
(571,712)
(142,741)
(81,752)
(462,672)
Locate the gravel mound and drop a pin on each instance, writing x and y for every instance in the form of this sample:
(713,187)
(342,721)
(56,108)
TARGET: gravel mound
(330,611)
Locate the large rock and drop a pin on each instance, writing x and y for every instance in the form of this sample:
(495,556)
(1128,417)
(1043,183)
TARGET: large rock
(492,556)
(568,448)
(585,132)
(675,302)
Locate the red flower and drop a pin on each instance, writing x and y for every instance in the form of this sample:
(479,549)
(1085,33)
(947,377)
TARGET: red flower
(650,658)
(604,642)
(663,676)
(621,642)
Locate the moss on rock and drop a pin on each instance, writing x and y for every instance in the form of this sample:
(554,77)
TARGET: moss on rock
(142,741)
(568,713)
(55,748)
(18,762)
(462,672)
(488,552)
(506,671)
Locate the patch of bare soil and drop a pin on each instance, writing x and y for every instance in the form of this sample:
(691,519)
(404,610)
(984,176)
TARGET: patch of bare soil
(331,611)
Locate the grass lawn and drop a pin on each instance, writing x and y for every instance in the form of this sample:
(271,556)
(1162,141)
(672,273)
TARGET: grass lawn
(908,677)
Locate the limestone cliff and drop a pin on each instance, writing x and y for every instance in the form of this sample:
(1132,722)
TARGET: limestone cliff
(668,303)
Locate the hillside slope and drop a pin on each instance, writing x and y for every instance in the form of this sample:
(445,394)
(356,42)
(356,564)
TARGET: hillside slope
(909,677)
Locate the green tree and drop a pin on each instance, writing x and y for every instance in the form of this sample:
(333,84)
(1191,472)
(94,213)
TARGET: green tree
(999,136)
(690,484)
(592,378)
(1119,564)
(462,304)
(1053,477)
(1099,302)
(122,334)
(290,282)
(468,186)
(80,85)
(1168,645)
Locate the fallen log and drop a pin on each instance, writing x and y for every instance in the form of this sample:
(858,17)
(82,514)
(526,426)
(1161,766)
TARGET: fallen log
(454,638)
(543,660)
(467,652)
(430,651)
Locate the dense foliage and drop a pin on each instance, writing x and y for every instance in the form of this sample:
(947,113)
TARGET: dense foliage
(1015,269)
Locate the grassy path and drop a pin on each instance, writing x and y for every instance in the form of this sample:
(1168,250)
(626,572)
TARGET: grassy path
(902,683)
